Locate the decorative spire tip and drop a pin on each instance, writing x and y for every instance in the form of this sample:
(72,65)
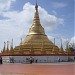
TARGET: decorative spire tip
(36,6)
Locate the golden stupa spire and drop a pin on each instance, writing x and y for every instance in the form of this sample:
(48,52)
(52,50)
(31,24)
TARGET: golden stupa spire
(11,45)
(7,50)
(67,48)
(36,16)
(21,47)
(54,41)
(61,49)
(36,27)
(4,45)
(21,42)
(7,45)
(67,45)
(36,6)
(61,43)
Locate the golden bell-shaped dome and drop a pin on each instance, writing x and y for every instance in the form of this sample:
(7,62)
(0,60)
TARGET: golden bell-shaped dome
(36,32)
(36,27)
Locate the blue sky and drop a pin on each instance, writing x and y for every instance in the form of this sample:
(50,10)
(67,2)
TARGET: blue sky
(56,16)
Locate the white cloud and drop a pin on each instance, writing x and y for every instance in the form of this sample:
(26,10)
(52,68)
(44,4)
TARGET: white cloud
(54,12)
(5,4)
(72,40)
(49,21)
(19,23)
(24,18)
(59,5)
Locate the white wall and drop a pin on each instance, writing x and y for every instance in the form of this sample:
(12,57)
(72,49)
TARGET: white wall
(40,59)
(5,59)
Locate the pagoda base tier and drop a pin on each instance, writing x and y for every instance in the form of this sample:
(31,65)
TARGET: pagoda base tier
(38,58)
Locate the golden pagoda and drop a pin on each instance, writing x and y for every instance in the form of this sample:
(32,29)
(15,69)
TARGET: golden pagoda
(61,49)
(68,50)
(36,42)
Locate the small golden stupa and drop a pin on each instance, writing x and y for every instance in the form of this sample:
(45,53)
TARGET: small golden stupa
(36,42)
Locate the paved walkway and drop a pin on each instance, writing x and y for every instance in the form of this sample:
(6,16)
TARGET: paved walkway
(37,69)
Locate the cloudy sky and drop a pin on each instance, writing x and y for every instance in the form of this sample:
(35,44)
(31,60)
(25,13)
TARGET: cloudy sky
(56,16)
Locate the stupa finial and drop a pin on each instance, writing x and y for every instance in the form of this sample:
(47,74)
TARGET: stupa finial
(7,45)
(36,6)
(4,45)
(12,44)
(54,40)
(61,43)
